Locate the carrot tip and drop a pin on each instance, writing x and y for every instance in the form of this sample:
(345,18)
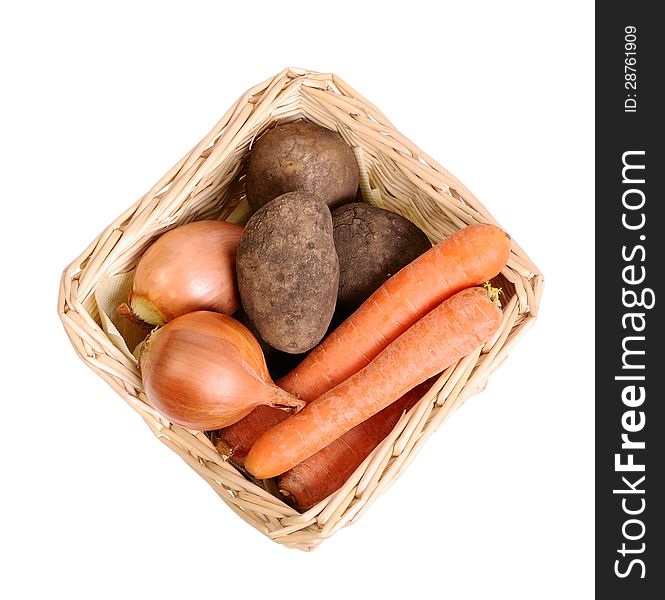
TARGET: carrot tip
(493,293)
(222,447)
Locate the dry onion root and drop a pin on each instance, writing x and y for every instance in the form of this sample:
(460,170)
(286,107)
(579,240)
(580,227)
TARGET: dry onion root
(205,370)
(189,268)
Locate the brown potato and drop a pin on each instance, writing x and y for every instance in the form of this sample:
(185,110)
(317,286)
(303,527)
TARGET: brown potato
(301,156)
(288,272)
(372,245)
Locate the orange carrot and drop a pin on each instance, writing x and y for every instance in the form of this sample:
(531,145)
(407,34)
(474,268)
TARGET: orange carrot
(468,257)
(453,329)
(326,471)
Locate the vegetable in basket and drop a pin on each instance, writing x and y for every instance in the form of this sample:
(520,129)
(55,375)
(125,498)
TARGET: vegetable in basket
(205,370)
(189,268)
(288,271)
(468,257)
(452,330)
(301,156)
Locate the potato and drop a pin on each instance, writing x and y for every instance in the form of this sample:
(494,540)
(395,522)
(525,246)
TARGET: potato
(372,245)
(288,272)
(301,156)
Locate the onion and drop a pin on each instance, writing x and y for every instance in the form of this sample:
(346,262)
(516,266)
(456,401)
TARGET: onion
(205,370)
(191,267)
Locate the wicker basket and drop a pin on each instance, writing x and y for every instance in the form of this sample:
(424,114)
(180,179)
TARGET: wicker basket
(209,183)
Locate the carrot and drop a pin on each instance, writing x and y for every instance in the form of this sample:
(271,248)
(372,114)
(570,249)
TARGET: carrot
(453,329)
(326,471)
(467,258)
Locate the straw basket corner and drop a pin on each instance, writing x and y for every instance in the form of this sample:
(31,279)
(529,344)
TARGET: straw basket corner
(208,182)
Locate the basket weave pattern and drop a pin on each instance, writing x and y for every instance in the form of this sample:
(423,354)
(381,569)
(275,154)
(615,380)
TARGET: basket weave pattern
(209,183)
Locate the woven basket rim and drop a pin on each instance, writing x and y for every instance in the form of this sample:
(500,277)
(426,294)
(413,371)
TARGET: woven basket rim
(207,183)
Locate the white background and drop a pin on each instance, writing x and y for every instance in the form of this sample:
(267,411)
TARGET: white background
(99,102)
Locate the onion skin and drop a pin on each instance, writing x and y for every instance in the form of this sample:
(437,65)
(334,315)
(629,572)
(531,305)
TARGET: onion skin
(189,268)
(205,370)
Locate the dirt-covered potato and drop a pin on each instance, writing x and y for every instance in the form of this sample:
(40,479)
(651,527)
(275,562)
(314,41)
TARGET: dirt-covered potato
(301,156)
(288,272)
(372,245)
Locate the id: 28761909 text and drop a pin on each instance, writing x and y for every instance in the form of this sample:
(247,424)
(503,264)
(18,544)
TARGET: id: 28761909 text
(630,69)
